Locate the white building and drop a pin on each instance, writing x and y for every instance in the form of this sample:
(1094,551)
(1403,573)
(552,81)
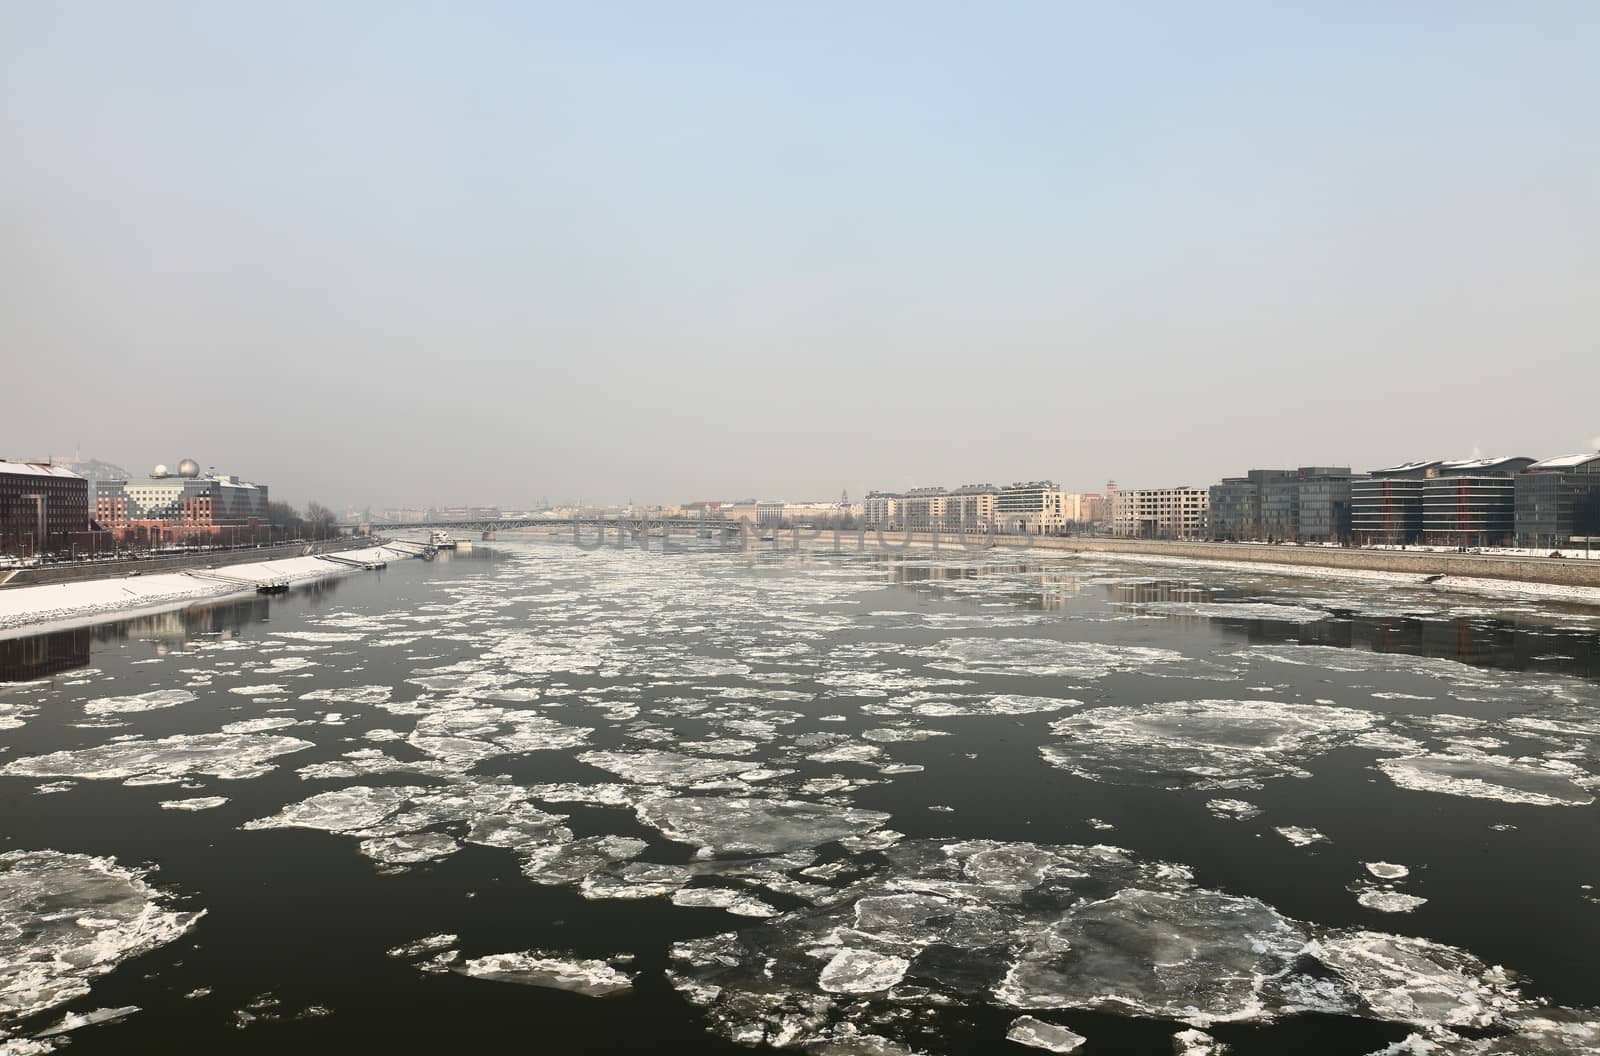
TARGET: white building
(1158,513)
(1033,507)
(880,509)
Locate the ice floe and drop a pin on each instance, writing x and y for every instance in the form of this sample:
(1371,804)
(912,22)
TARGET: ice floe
(1209,744)
(1386,901)
(861,972)
(1233,809)
(68,919)
(1043,657)
(1037,1034)
(157,698)
(1532,781)
(143,760)
(1033,927)
(1193,1042)
(1300,835)
(735,825)
(194,803)
(587,976)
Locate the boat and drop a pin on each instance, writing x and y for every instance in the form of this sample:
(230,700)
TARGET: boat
(441,540)
(279,587)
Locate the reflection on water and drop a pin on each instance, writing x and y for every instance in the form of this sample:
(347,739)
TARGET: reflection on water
(1483,641)
(24,659)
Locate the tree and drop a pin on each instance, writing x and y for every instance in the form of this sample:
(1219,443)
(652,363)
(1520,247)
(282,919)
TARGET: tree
(321,522)
(285,520)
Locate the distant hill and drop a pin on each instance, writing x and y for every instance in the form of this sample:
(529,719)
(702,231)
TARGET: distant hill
(90,468)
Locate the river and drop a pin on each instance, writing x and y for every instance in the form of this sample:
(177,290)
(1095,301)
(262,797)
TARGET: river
(607,801)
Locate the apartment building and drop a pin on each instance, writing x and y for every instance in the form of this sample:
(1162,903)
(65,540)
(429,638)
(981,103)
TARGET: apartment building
(1159,513)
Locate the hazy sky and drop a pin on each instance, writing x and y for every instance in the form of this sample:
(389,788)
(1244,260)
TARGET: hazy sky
(436,253)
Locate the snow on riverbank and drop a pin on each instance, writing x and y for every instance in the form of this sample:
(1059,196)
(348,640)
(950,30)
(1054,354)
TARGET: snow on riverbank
(30,610)
(1463,584)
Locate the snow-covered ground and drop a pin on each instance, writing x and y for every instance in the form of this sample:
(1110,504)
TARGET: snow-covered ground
(1464,584)
(53,605)
(1493,551)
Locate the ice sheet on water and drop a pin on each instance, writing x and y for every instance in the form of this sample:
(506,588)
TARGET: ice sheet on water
(320,636)
(1410,980)
(428,944)
(1037,1034)
(1044,657)
(364,762)
(1200,743)
(265,690)
(194,803)
(1533,781)
(345,810)
(505,729)
(848,753)
(78,1020)
(895,734)
(572,863)
(14,714)
(156,698)
(1385,900)
(652,767)
(261,725)
(1193,1042)
(1357,661)
(223,755)
(68,919)
(409,848)
(1233,809)
(1387,870)
(734,902)
(1554,1032)
(1300,835)
(1031,926)
(635,880)
(553,970)
(1238,610)
(861,972)
(1005,704)
(1168,954)
(733,825)
(600,795)
(351,695)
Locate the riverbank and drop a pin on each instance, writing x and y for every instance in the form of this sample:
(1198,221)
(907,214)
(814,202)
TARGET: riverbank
(67,572)
(1488,574)
(55,606)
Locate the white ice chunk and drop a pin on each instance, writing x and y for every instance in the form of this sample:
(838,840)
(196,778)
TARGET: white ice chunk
(1537,782)
(1300,835)
(731,825)
(194,803)
(1037,1034)
(593,978)
(1385,901)
(158,698)
(223,755)
(861,972)
(69,918)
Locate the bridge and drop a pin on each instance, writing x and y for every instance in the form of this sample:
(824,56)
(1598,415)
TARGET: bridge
(486,528)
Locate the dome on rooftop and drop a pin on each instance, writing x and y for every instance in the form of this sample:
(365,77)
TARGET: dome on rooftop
(188,468)
(159,471)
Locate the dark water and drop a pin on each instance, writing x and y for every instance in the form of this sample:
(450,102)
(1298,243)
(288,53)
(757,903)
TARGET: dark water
(291,952)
